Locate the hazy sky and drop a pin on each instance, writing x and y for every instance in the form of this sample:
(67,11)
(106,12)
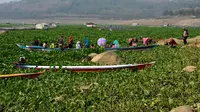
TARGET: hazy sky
(3,1)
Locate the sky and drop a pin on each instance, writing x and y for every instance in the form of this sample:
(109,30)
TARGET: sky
(4,1)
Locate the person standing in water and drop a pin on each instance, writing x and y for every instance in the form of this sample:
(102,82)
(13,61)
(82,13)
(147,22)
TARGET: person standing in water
(185,35)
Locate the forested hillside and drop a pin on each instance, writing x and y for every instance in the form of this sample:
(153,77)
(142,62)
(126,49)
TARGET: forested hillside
(116,9)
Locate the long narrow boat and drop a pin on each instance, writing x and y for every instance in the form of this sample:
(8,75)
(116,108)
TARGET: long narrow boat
(89,68)
(28,75)
(39,48)
(134,48)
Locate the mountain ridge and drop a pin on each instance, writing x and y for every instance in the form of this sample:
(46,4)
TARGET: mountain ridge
(115,9)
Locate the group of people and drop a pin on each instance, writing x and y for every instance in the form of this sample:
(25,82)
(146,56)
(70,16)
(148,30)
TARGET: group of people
(131,42)
(173,43)
(61,44)
(134,41)
(87,44)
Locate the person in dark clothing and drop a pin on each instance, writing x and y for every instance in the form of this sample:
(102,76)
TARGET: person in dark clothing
(36,43)
(22,60)
(185,35)
(41,43)
(130,41)
(61,41)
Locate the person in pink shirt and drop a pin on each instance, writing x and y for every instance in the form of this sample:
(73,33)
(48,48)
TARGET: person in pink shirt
(92,46)
(113,46)
(146,41)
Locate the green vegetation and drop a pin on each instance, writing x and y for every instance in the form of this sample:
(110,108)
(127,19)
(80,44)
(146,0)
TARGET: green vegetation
(158,88)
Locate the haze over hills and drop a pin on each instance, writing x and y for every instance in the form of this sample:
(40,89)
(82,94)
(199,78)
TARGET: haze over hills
(105,9)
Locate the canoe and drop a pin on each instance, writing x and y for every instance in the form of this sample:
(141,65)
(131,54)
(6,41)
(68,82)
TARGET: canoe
(39,48)
(89,68)
(134,48)
(29,47)
(28,75)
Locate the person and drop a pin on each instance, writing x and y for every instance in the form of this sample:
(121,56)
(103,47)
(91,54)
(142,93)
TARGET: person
(45,44)
(113,46)
(87,43)
(57,45)
(146,41)
(41,43)
(185,35)
(116,44)
(61,41)
(52,45)
(70,42)
(78,45)
(106,46)
(134,42)
(172,43)
(36,43)
(92,46)
(22,60)
(130,41)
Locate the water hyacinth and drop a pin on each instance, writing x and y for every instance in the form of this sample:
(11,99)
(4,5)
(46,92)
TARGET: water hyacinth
(158,88)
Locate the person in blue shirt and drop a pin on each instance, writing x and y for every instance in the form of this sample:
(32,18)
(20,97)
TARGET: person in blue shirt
(87,42)
(116,44)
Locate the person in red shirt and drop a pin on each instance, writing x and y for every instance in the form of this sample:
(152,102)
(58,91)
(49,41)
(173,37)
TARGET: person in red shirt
(172,43)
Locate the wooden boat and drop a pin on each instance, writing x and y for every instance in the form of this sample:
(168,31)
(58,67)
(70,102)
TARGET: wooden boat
(29,75)
(40,48)
(89,68)
(134,48)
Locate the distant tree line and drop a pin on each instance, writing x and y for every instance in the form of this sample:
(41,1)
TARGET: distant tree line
(183,12)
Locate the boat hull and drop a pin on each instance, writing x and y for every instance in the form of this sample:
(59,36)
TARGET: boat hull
(89,68)
(40,48)
(27,75)
(133,48)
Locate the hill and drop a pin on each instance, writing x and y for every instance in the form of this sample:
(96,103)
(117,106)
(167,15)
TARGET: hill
(115,9)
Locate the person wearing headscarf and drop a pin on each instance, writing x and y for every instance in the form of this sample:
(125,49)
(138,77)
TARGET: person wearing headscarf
(87,43)
(70,42)
(78,45)
(116,43)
